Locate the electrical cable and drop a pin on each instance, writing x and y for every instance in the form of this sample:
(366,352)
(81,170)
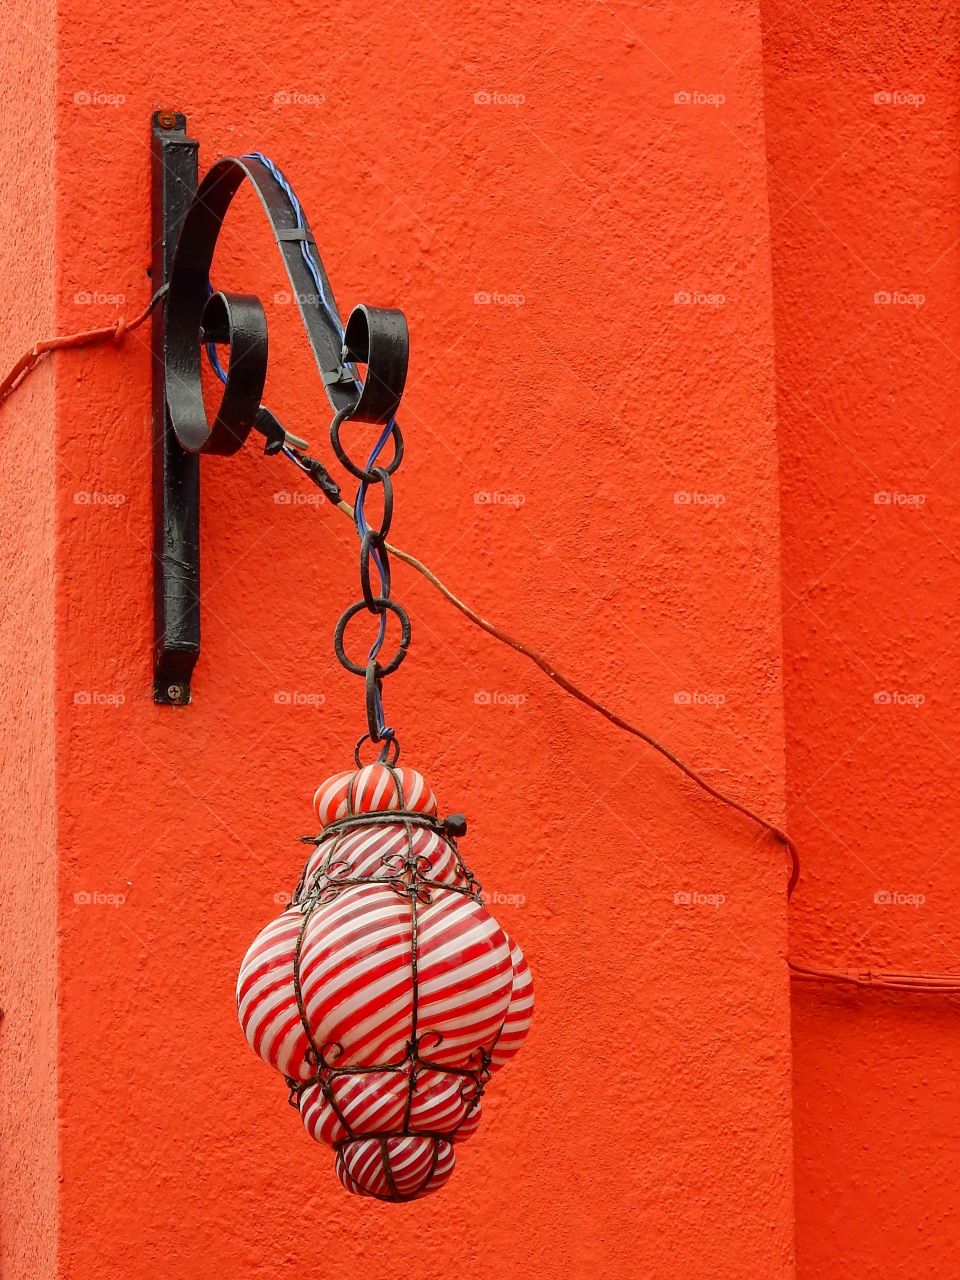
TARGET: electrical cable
(941,983)
(319,475)
(576,692)
(115,333)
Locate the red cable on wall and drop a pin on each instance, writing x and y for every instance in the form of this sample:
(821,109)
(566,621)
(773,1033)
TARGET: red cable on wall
(115,332)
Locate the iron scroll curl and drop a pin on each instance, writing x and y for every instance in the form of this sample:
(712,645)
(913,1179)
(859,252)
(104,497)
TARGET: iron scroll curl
(373,336)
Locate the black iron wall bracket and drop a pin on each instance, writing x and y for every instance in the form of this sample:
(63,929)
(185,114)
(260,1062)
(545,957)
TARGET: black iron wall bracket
(187,219)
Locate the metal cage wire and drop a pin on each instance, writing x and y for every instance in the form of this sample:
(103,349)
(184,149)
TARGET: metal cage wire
(408,871)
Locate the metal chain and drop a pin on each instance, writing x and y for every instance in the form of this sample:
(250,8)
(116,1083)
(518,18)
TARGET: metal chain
(376,598)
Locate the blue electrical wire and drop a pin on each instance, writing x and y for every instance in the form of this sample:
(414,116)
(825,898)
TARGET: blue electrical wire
(360,520)
(212,356)
(311,266)
(298,213)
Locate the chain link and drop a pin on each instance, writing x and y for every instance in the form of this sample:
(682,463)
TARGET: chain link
(374,584)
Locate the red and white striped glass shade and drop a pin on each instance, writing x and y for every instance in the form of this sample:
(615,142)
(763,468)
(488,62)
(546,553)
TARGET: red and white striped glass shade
(385,993)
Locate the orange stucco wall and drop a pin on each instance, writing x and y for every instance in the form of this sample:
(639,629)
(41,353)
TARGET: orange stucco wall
(688,396)
(29,1165)
(864,174)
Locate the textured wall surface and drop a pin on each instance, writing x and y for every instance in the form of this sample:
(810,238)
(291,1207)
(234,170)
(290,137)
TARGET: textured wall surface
(597,172)
(28,552)
(863,143)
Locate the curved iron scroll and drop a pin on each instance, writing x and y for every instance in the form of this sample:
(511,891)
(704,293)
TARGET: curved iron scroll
(374,336)
(187,220)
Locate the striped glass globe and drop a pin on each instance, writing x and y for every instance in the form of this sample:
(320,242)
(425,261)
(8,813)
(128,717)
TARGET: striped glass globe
(385,993)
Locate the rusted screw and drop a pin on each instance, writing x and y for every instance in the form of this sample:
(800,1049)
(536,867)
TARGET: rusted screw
(167,119)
